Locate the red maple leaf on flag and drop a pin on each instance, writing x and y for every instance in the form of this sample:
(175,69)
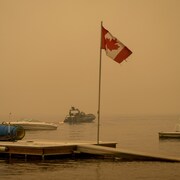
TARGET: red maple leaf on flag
(112,44)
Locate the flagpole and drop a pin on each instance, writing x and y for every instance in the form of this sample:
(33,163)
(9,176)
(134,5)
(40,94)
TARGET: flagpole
(99,92)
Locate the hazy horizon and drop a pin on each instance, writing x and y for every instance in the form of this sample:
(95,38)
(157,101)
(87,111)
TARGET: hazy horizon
(49,54)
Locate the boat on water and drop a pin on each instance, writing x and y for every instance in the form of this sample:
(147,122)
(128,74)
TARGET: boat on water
(171,134)
(77,116)
(31,124)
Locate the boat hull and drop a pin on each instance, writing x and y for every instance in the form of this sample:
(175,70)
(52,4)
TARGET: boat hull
(169,135)
(80,119)
(35,125)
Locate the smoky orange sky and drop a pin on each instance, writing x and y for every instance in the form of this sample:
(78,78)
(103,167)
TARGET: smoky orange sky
(49,57)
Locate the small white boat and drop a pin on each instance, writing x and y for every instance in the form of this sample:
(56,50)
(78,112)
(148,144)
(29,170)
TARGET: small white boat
(30,124)
(171,134)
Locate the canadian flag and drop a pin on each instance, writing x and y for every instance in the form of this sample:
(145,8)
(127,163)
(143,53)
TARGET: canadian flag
(113,47)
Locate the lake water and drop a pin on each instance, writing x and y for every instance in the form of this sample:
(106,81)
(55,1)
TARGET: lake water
(135,133)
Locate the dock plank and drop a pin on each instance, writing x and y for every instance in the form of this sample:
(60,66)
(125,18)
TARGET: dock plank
(123,154)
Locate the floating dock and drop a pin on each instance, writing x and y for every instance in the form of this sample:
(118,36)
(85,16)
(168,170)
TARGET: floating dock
(46,150)
(42,149)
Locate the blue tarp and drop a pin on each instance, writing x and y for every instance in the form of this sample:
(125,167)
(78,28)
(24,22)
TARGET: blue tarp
(11,132)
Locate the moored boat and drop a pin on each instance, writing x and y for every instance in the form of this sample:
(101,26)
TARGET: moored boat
(77,116)
(31,124)
(171,134)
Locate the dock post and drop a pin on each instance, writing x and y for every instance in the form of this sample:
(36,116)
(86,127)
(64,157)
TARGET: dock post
(9,156)
(25,157)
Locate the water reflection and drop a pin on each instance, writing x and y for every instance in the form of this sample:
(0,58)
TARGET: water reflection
(78,169)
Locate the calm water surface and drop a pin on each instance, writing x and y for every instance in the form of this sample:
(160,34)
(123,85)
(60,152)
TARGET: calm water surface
(132,133)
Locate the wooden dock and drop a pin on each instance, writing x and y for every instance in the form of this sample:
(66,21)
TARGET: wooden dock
(42,149)
(45,150)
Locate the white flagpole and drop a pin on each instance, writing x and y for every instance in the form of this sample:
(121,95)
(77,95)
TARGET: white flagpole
(99,93)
